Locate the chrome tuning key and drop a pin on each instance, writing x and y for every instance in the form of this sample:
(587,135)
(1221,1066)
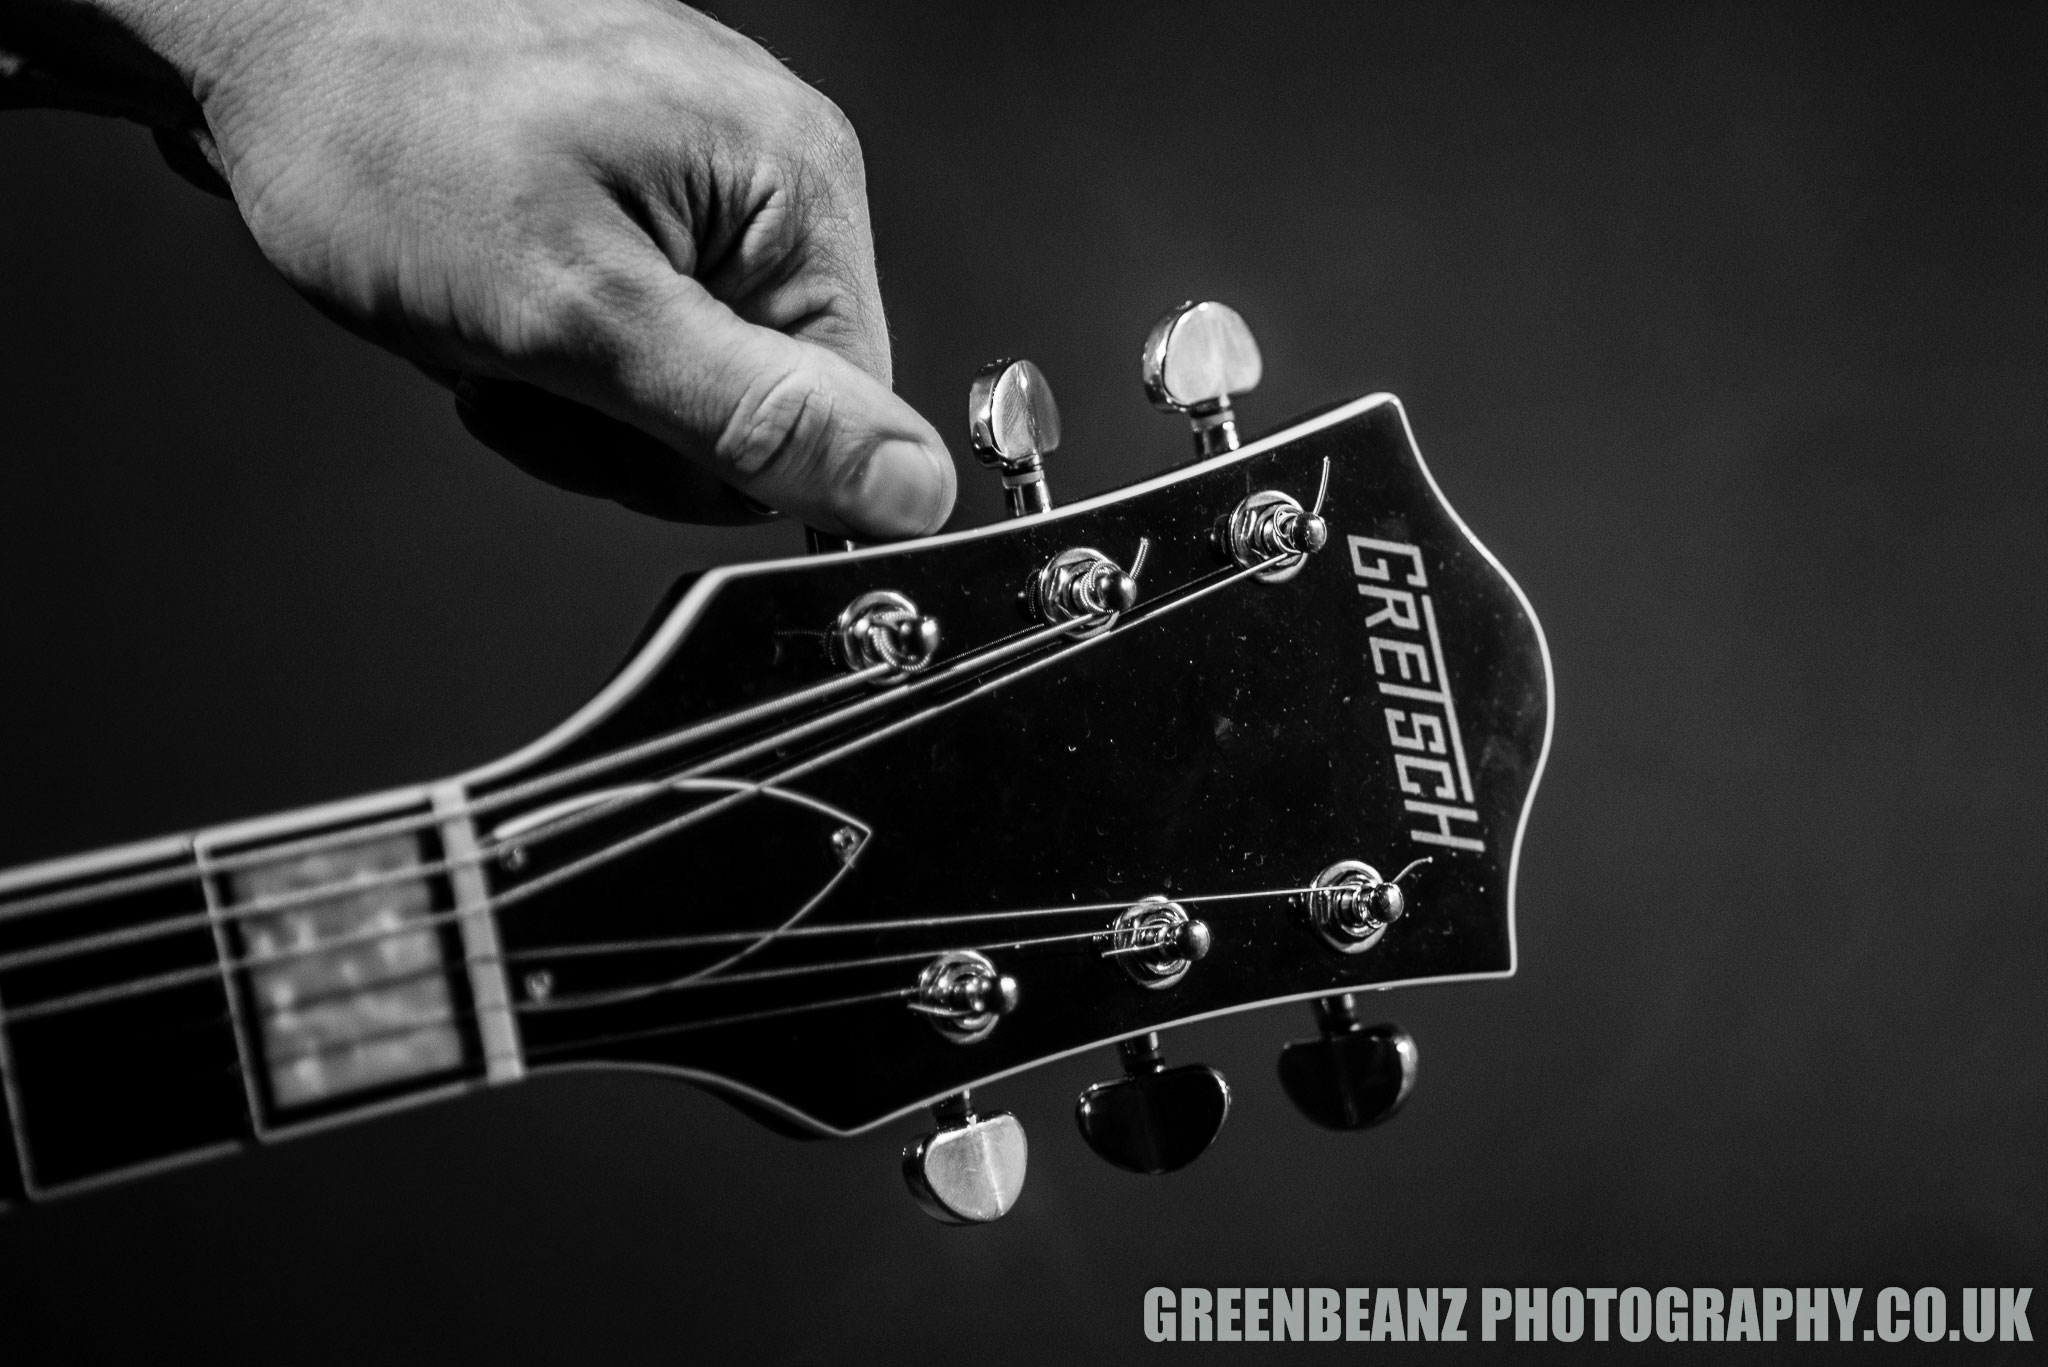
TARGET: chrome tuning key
(1272,530)
(1083,584)
(1197,357)
(963,996)
(969,1170)
(1153,1119)
(1156,941)
(1352,906)
(1351,1077)
(1014,424)
(885,628)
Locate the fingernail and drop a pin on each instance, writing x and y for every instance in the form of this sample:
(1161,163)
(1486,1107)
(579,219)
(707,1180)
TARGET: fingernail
(902,491)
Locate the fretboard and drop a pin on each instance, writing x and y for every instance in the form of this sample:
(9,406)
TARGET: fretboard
(167,1001)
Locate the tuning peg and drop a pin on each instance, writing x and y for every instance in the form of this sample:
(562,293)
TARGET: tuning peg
(1353,1077)
(970,1169)
(1196,358)
(1014,423)
(1153,1119)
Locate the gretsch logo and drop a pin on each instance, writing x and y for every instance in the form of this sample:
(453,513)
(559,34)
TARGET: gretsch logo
(1422,716)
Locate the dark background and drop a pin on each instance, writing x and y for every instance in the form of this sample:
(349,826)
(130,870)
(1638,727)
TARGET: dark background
(1723,327)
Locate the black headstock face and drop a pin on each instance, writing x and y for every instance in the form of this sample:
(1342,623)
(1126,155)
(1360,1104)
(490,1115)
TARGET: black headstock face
(756,898)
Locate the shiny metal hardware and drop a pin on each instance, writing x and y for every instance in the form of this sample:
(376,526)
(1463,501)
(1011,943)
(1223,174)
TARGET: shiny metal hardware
(825,543)
(1156,941)
(1271,524)
(963,996)
(1352,906)
(1351,1077)
(1083,583)
(1014,424)
(885,628)
(1197,357)
(970,1170)
(1153,1119)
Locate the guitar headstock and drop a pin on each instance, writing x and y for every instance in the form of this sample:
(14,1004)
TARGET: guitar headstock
(852,834)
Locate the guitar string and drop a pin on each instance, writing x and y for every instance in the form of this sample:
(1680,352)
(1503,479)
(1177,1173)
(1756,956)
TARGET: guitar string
(1198,589)
(119,885)
(547,781)
(489,850)
(268,855)
(994,652)
(467,1015)
(271,855)
(201,973)
(965,667)
(470,1013)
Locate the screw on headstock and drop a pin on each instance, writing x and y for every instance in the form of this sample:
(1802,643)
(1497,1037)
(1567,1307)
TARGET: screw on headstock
(1014,423)
(1196,358)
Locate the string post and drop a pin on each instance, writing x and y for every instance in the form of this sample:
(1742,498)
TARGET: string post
(1352,906)
(1157,942)
(1082,585)
(1272,535)
(963,996)
(883,631)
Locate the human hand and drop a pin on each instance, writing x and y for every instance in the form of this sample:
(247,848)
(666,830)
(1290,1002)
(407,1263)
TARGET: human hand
(575,208)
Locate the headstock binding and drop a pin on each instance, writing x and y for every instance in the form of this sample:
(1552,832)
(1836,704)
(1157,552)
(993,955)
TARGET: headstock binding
(1233,741)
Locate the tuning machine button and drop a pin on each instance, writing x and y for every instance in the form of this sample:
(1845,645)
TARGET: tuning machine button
(1197,357)
(1014,424)
(1153,1119)
(969,1170)
(1156,941)
(1352,1076)
(963,996)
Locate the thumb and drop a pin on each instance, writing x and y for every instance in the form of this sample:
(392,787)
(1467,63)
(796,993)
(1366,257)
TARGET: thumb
(783,420)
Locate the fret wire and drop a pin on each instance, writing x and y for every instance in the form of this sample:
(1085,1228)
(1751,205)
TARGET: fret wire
(1166,603)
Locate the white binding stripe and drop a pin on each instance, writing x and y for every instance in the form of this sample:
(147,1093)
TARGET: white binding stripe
(658,647)
(488,992)
(15,1119)
(628,680)
(650,658)
(248,1048)
(1549,682)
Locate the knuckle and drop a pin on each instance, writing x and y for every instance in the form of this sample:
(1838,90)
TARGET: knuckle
(572,313)
(781,422)
(825,138)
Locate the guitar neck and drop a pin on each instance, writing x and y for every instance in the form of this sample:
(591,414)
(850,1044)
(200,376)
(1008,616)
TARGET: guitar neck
(166,1001)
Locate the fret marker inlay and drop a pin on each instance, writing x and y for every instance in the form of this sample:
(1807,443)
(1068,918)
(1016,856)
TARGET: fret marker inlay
(374,1009)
